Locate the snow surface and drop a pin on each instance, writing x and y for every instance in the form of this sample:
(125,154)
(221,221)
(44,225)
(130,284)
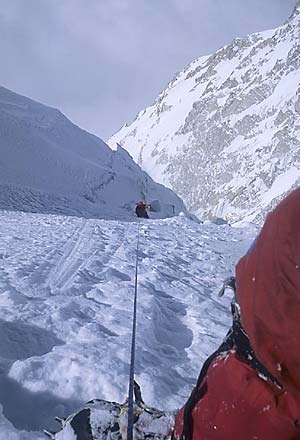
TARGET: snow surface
(66,302)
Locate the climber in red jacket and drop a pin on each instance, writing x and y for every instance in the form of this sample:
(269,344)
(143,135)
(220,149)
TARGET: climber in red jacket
(141,209)
(250,387)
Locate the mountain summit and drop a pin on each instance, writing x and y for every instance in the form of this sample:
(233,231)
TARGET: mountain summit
(224,134)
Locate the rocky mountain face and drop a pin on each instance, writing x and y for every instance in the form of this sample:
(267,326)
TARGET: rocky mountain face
(225,132)
(49,165)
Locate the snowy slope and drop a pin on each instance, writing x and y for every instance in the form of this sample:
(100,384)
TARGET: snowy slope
(66,301)
(224,134)
(50,165)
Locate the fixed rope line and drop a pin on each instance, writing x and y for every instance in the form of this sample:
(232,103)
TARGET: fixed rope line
(132,360)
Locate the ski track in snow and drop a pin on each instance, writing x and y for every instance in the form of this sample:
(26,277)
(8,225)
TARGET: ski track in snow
(66,303)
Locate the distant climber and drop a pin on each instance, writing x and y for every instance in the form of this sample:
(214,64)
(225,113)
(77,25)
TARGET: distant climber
(141,209)
(249,388)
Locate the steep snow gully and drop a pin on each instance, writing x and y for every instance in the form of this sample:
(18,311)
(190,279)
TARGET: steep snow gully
(66,301)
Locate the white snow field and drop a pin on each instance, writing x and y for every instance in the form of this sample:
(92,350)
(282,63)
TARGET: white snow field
(66,304)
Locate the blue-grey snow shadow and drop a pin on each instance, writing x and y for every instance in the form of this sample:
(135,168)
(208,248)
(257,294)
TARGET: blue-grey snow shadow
(165,342)
(23,408)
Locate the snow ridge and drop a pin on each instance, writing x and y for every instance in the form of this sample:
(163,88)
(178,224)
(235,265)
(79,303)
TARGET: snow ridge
(49,165)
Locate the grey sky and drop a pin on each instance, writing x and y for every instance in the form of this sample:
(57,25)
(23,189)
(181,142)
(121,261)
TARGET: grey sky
(101,61)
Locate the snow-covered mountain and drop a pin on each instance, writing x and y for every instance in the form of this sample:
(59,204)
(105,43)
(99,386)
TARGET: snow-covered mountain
(224,134)
(49,165)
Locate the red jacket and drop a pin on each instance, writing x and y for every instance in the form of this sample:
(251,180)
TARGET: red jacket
(232,401)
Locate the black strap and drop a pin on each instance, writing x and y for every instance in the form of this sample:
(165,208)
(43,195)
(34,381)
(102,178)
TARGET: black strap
(246,354)
(200,390)
(238,339)
(244,351)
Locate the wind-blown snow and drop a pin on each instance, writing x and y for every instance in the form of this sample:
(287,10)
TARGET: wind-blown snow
(66,303)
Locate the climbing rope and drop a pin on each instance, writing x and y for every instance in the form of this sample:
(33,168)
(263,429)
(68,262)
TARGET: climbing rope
(132,360)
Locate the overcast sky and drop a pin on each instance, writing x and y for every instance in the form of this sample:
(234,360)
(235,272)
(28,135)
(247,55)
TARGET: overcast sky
(102,61)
